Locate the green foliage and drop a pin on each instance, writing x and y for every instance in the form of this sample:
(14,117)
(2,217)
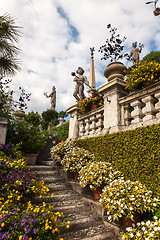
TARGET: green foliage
(135,153)
(152,56)
(62,131)
(9,36)
(31,139)
(62,114)
(49,116)
(140,75)
(33,118)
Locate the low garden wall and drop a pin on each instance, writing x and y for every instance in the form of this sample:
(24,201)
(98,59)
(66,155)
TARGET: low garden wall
(135,153)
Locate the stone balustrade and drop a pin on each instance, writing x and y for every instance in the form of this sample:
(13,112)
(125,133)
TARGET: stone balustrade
(92,123)
(140,108)
(121,111)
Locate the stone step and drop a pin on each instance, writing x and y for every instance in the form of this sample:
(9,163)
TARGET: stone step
(47,173)
(92,233)
(41,168)
(74,209)
(81,223)
(53,187)
(52,179)
(47,163)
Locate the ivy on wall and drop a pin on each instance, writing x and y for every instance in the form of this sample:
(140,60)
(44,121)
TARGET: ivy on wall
(136,153)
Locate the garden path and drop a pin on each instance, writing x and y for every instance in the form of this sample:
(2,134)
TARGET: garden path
(83,225)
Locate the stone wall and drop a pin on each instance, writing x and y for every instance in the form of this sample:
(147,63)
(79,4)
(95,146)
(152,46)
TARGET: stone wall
(3,128)
(121,111)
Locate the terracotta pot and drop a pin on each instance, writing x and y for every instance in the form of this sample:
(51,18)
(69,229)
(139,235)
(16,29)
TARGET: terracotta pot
(147,84)
(93,106)
(128,222)
(19,114)
(76,175)
(97,192)
(30,158)
(62,121)
(115,70)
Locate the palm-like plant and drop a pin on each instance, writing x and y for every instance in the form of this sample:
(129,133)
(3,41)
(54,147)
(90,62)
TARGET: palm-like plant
(9,36)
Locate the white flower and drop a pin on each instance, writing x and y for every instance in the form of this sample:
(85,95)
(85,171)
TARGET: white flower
(131,235)
(109,218)
(128,229)
(138,234)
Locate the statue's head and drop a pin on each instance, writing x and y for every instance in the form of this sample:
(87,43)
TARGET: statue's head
(80,70)
(53,88)
(134,44)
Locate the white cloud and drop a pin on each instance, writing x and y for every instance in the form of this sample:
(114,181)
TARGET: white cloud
(50,52)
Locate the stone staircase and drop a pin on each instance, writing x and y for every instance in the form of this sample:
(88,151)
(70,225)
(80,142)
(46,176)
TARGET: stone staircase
(84,225)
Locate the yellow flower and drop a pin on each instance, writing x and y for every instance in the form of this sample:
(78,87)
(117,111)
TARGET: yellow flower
(20,237)
(67,226)
(2,225)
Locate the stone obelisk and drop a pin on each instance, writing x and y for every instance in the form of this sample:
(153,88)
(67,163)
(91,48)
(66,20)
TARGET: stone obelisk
(92,81)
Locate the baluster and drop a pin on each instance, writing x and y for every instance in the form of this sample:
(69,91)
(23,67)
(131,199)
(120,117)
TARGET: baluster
(127,114)
(157,105)
(87,126)
(82,128)
(136,114)
(99,123)
(149,110)
(93,124)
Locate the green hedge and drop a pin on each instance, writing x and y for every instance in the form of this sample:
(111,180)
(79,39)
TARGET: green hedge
(62,131)
(135,153)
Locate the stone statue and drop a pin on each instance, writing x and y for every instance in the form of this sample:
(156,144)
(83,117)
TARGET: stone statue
(80,80)
(157,9)
(52,95)
(135,53)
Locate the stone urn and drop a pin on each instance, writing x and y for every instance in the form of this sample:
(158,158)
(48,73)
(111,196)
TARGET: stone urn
(115,70)
(20,114)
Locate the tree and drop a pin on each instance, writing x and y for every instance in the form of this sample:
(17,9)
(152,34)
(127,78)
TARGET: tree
(62,114)
(9,36)
(49,117)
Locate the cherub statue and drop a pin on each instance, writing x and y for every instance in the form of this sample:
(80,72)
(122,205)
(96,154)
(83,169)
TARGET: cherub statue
(52,95)
(80,80)
(135,53)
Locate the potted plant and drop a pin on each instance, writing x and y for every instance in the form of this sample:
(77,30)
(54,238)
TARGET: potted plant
(143,230)
(60,149)
(21,103)
(142,75)
(91,103)
(62,115)
(96,175)
(75,158)
(31,138)
(127,199)
(112,49)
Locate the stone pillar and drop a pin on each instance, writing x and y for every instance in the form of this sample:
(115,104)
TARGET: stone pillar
(112,91)
(137,114)
(157,105)
(3,128)
(73,122)
(149,109)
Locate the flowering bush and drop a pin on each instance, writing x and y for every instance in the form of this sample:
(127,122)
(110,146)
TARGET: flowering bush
(75,158)
(32,222)
(19,219)
(122,197)
(143,230)
(148,72)
(85,104)
(60,149)
(96,174)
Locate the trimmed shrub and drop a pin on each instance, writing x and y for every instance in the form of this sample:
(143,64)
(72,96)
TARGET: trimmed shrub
(136,153)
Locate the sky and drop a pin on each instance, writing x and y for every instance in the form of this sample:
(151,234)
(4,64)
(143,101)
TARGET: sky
(57,36)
